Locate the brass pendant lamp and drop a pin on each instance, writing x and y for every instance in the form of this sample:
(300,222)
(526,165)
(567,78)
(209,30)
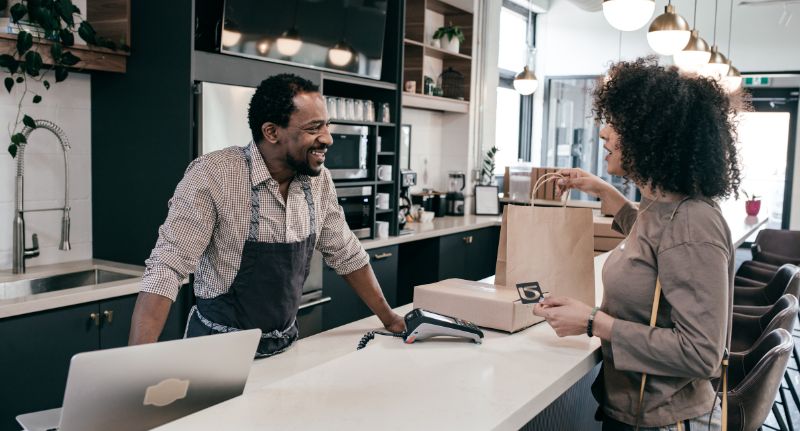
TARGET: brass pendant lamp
(669,32)
(628,15)
(696,53)
(526,82)
(718,65)
(733,80)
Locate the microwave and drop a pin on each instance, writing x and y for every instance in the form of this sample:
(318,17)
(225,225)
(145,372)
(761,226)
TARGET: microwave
(356,203)
(346,159)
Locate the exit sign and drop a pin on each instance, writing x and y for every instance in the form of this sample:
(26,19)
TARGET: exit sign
(756,81)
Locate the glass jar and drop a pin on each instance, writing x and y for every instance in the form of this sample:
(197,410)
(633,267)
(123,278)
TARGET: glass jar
(330,101)
(358,110)
(369,110)
(341,108)
(386,116)
(350,109)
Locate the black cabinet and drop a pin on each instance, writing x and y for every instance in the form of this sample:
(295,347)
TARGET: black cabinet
(469,255)
(37,348)
(345,305)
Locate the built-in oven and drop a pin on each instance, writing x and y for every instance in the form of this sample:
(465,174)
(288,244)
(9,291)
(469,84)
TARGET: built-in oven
(356,202)
(347,158)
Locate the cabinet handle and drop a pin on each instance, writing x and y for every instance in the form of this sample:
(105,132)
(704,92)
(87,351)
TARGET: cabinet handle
(109,315)
(467,239)
(382,256)
(95,317)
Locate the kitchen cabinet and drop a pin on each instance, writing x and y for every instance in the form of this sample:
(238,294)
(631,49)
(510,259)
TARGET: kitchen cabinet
(469,255)
(37,348)
(345,305)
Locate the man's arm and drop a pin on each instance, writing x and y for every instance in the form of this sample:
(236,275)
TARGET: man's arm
(366,286)
(149,317)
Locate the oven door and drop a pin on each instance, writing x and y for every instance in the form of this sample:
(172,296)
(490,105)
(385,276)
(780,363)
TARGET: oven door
(356,202)
(347,157)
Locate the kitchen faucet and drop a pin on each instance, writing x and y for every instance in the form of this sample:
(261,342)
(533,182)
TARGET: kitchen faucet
(20,252)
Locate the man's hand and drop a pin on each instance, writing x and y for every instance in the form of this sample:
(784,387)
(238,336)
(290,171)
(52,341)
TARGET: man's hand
(395,323)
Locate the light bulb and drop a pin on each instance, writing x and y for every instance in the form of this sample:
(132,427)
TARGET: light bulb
(628,15)
(525,82)
(668,33)
(230,37)
(694,55)
(340,54)
(289,43)
(263,47)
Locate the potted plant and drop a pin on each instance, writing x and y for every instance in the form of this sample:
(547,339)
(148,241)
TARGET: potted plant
(752,205)
(487,169)
(451,37)
(24,64)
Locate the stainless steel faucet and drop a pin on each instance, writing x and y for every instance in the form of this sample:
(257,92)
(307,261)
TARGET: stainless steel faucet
(20,252)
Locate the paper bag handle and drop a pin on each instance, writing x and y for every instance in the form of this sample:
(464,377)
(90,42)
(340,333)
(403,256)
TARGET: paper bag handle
(544,179)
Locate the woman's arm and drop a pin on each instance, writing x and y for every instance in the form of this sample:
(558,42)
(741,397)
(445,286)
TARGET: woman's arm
(612,201)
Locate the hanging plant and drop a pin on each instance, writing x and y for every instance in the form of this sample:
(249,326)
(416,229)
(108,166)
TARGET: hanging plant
(54,21)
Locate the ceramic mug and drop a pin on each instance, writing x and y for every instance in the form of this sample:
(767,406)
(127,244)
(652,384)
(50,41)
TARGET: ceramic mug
(385,172)
(411,86)
(382,201)
(382,228)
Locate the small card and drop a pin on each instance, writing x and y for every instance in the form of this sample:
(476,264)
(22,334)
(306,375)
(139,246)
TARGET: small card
(530,293)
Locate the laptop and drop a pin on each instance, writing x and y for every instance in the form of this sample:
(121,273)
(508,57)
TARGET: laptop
(142,387)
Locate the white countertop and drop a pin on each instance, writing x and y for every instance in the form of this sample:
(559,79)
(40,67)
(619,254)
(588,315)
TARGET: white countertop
(322,382)
(440,226)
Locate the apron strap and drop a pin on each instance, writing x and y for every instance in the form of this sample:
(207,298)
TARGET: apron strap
(255,206)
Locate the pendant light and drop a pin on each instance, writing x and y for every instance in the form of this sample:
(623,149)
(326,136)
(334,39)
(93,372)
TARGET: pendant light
(230,34)
(341,54)
(669,32)
(717,65)
(263,46)
(525,82)
(696,52)
(290,43)
(628,15)
(733,80)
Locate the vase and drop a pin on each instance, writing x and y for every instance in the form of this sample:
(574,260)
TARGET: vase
(752,207)
(451,45)
(436,43)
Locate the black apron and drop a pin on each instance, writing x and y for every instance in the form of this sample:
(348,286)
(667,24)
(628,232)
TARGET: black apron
(266,291)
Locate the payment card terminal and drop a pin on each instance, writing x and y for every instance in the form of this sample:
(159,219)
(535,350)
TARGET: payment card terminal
(422,324)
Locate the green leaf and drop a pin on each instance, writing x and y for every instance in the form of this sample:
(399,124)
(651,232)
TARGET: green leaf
(76,10)
(9,82)
(18,138)
(17,12)
(6,60)
(61,73)
(37,98)
(12,149)
(55,50)
(28,121)
(46,84)
(33,63)
(87,33)
(69,59)
(20,79)
(24,42)
(65,11)
(66,36)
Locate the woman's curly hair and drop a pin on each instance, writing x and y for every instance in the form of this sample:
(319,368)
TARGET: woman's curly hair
(677,132)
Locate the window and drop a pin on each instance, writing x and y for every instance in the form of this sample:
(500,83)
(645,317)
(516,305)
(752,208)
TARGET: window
(514,112)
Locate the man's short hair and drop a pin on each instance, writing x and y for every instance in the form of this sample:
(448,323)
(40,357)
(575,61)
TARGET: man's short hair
(272,102)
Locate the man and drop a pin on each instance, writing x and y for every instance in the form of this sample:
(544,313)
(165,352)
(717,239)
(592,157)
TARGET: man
(246,222)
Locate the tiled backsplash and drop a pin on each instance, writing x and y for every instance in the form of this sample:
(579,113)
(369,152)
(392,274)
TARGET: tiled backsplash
(67,104)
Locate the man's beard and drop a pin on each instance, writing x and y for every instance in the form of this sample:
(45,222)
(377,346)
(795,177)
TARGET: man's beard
(302,167)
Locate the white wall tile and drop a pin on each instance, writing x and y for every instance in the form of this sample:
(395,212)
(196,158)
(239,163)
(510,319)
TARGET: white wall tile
(68,105)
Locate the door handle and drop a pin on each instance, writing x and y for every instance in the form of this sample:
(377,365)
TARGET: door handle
(467,239)
(315,303)
(95,317)
(382,256)
(109,315)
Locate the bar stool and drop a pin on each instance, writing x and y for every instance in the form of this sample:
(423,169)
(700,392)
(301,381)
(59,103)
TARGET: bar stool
(755,272)
(769,293)
(747,329)
(776,247)
(754,377)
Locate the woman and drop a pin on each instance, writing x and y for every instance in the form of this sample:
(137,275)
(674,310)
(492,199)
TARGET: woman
(673,136)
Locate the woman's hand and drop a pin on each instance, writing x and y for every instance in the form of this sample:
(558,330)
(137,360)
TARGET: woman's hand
(578,179)
(567,316)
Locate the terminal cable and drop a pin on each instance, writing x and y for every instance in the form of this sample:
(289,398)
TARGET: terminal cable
(371,334)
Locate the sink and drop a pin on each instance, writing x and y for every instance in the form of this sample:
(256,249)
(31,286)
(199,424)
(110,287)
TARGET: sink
(14,289)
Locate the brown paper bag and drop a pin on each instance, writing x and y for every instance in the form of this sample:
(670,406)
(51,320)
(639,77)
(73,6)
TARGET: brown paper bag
(551,245)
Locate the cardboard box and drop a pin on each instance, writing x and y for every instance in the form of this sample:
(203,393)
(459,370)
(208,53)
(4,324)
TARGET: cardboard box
(486,305)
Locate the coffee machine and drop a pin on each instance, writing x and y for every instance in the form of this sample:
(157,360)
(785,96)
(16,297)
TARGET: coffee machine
(455,193)
(408,178)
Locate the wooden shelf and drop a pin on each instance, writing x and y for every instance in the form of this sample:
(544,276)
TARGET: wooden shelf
(92,58)
(437,53)
(435,103)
